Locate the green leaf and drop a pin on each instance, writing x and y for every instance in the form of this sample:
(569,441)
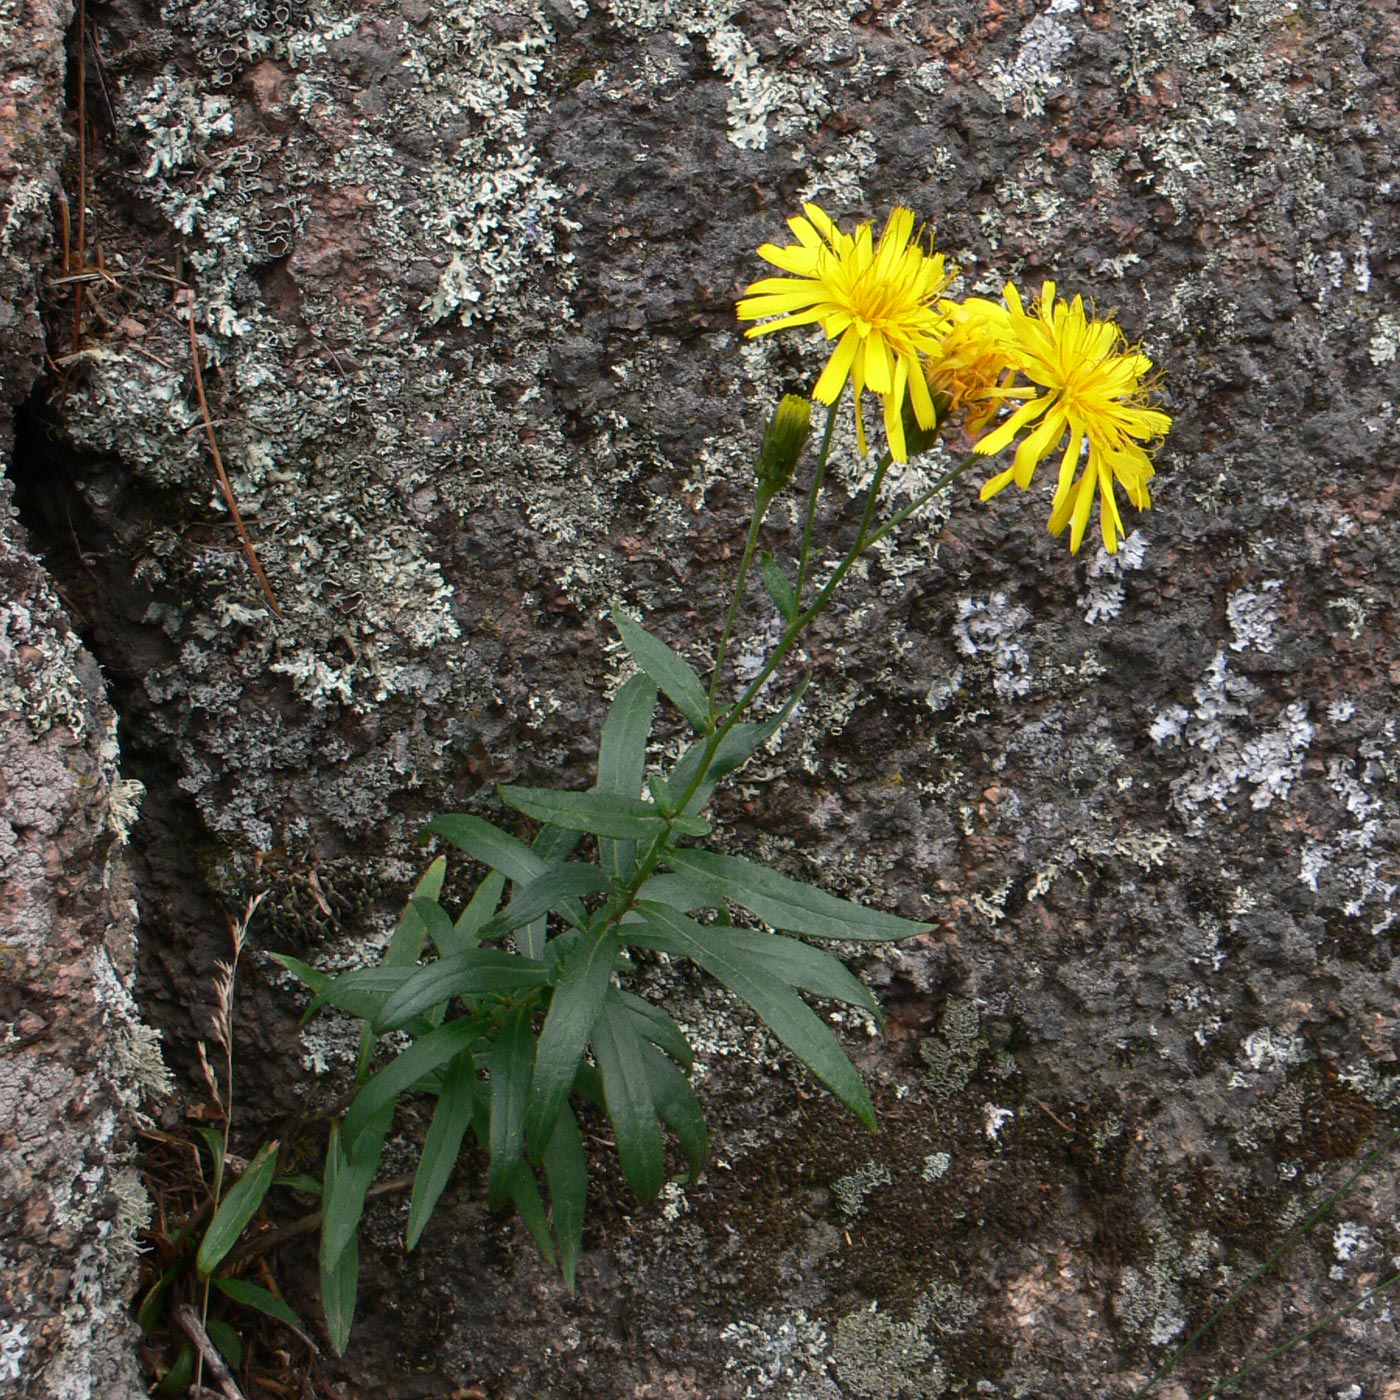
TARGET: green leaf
(550,891)
(339,1284)
(437,924)
(226,1340)
(780,588)
(789,904)
(149,1313)
(253,1295)
(178,1379)
(347,1179)
(307,1185)
(601,813)
(622,762)
(482,905)
(488,844)
(477,972)
(382,1090)
(511,1065)
(656,1026)
(420,916)
(314,978)
(800,965)
(667,668)
(734,750)
(676,892)
(583,980)
(680,1109)
(443,1145)
(214,1140)
(621,1055)
(236,1209)
(566,1172)
(794,1023)
(363,990)
(525,1192)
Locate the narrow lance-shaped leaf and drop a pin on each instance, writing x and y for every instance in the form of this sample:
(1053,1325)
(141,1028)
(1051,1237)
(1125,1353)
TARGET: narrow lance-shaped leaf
(780,588)
(340,1280)
(383,1089)
(601,813)
(566,1172)
(488,844)
(578,994)
(680,1109)
(482,905)
(794,1023)
(511,1063)
(622,761)
(789,904)
(621,1054)
(655,1025)
(236,1210)
(475,973)
(546,892)
(667,668)
(347,1180)
(263,1300)
(347,1177)
(798,964)
(553,844)
(443,1145)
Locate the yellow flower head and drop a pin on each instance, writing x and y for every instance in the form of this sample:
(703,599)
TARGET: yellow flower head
(1084,381)
(875,299)
(970,364)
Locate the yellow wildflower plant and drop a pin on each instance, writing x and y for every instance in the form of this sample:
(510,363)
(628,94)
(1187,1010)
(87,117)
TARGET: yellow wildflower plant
(1084,380)
(876,299)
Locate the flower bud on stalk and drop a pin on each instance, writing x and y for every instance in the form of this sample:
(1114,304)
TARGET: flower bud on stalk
(784,440)
(918,439)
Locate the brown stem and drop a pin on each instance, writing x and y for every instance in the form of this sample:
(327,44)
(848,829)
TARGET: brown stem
(224,485)
(194,1330)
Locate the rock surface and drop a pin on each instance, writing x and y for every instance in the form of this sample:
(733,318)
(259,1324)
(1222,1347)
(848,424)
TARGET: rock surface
(75,1059)
(463,280)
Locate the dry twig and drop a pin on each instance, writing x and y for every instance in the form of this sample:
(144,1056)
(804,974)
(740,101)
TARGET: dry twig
(187,298)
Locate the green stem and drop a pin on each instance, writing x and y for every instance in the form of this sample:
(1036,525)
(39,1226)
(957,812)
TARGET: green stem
(943,482)
(823,456)
(1289,1241)
(1231,1381)
(760,509)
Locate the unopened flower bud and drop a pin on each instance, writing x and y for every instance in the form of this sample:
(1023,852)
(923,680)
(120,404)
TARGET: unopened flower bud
(783,442)
(917,438)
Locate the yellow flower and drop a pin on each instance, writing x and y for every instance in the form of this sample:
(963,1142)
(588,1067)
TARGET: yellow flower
(876,300)
(1084,381)
(970,364)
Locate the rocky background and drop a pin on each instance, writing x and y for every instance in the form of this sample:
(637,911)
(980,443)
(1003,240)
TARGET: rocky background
(462,275)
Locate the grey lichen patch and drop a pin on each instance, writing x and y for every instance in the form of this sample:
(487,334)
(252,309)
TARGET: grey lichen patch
(879,1358)
(952,1057)
(849,1192)
(1148,1301)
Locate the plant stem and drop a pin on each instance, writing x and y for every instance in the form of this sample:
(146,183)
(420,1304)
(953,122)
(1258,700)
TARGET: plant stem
(943,482)
(823,456)
(1289,1241)
(760,507)
(1231,1381)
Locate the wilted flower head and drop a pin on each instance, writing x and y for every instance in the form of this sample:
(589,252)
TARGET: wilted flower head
(875,299)
(970,363)
(1084,381)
